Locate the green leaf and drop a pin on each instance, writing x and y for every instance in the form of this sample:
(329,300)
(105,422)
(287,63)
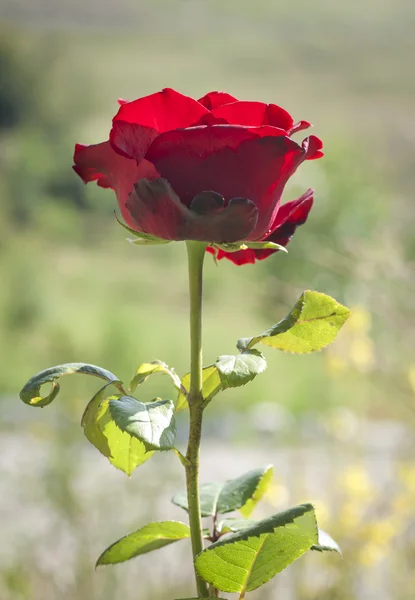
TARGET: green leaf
(211,386)
(146,242)
(147,369)
(246,560)
(313,324)
(93,432)
(227,525)
(127,452)
(122,450)
(150,537)
(263,483)
(152,423)
(265,246)
(237,246)
(241,493)
(230,247)
(30,393)
(240,369)
(244,492)
(209,493)
(326,543)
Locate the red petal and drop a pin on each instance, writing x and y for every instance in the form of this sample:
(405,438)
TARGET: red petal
(242,257)
(90,163)
(254,114)
(139,122)
(102,164)
(233,161)
(202,141)
(300,126)
(294,211)
(213,100)
(313,145)
(162,111)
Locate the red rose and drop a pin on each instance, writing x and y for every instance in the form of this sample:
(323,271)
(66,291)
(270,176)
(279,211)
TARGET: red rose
(211,170)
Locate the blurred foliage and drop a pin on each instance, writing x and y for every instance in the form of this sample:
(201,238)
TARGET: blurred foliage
(350,248)
(373,524)
(73,290)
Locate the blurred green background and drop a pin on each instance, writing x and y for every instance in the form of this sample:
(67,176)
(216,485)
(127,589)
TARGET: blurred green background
(339,426)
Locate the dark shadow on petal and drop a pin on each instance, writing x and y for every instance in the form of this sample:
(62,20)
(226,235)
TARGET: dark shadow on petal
(205,202)
(131,140)
(290,216)
(225,225)
(155,208)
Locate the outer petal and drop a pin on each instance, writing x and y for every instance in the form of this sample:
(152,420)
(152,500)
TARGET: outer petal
(289,217)
(312,146)
(100,163)
(156,209)
(299,126)
(233,161)
(254,114)
(213,100)
(227,109)
(139,122)
(92,162)
(242,257)
(294,212)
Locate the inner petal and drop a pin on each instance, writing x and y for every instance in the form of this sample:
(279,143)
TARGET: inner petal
(235,162)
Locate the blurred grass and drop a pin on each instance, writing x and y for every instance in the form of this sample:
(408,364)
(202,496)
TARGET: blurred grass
(73,290)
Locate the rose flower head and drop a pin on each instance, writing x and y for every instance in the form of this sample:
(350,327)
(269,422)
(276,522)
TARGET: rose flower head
(210,170)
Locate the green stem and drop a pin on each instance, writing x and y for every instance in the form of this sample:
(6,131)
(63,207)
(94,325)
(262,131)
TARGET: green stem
(196,254)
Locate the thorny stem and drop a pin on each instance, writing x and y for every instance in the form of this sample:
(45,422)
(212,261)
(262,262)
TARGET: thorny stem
(196,253)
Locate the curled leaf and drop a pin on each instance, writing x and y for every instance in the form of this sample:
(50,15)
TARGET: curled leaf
(30,393)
